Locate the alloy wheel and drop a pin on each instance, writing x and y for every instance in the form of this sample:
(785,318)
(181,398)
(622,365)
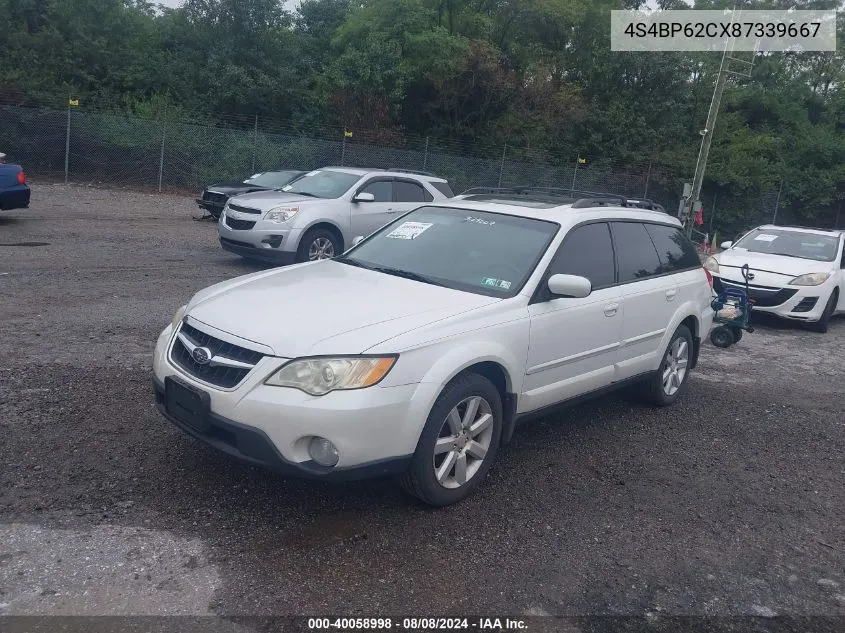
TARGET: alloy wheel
(321,248)
(675,366)
(463,442)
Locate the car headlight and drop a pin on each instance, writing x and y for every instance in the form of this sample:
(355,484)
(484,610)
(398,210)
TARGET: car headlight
(177,318)
(711,264)
(281,214)
(810,279)
(319,376)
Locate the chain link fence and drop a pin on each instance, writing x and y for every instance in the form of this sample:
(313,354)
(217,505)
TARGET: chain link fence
(96,147)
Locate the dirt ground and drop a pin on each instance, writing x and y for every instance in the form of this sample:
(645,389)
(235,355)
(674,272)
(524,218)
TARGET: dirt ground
(728,504)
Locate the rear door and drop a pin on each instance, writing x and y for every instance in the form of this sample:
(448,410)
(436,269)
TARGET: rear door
(408,195)
(574,342)
(366,217)
(649,294)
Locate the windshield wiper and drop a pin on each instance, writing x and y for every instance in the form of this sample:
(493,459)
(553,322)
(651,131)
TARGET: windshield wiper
(299,193)
(793,255)
(352,262)
(406,274)
(387,270)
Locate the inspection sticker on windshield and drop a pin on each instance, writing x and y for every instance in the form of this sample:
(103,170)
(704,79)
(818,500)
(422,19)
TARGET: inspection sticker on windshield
(496,283)
(766,237)
(409,230)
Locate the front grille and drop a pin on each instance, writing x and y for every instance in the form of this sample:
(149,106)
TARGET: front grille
(215,198)
(240,209)
(219,375)
(238,225)
(761,296)
(806,304)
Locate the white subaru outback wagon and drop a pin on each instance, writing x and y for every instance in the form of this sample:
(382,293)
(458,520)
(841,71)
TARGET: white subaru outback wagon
(417,351)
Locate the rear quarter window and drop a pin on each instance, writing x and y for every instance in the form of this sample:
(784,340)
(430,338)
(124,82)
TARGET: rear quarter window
(444,188)
(676,252)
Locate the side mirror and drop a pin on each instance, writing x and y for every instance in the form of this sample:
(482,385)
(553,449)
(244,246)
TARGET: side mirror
(726,245)
(363,196)
(570,286)
(357,239)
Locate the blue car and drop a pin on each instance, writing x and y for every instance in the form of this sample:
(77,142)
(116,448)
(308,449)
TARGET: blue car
(14,192)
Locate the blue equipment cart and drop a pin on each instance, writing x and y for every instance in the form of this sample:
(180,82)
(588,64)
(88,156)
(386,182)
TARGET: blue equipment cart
(732,314)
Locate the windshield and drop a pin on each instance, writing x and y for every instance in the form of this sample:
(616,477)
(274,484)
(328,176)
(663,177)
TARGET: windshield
(323,184)
(272,179)
(791,244)
(485,253)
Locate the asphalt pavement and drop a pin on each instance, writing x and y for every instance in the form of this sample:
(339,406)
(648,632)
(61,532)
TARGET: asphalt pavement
(730,503)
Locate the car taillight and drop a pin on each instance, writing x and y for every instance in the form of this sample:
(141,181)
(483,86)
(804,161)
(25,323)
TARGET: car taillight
(21,178)
(709,278)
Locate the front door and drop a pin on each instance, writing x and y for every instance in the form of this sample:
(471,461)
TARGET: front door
(367,217)
(574,343)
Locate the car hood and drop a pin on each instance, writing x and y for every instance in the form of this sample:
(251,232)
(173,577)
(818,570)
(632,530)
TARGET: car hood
(735,258)
(266,200)
(234,188)
(326,307)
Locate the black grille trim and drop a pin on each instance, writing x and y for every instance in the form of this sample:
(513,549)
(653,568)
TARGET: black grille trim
(806,304)
(223,377)
(240,209)
(759,297)
(217,198)
(239,225)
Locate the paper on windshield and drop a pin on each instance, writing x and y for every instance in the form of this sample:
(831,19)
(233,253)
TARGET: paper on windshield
(766,237)
(409,230)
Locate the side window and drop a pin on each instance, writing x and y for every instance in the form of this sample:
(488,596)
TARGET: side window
(406,191)
(676,252)
(588,252)
(444,188)
(635,251)
(381,189)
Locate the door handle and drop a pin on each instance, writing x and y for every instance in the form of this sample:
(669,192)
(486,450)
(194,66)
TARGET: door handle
(610,309)
(670,294)
(391,211)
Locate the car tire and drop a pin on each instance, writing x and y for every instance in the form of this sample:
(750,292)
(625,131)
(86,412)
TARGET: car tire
(670,380)
(823,323)
(457,445)
(321,240)
(722,336)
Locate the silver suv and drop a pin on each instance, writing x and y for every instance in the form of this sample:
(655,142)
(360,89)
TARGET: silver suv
(318,215)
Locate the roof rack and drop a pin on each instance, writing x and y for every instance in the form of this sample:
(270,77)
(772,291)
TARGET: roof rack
(419,172)
(579,199)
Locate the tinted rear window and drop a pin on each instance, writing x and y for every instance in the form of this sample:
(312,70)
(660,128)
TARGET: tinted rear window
(675,250)
(405,191)
(635,252)
(444,188)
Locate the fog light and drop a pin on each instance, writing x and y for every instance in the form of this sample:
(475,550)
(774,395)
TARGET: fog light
(323,451)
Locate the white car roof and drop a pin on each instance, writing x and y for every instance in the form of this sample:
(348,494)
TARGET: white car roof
(557,213)
(361,171)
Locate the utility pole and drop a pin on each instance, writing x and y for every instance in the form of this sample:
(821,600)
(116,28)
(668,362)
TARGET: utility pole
(701,163)
(777,203)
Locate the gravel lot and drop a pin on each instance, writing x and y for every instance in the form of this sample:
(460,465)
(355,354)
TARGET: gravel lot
(730,503)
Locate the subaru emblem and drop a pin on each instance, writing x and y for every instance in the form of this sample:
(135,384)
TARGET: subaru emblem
(201,355)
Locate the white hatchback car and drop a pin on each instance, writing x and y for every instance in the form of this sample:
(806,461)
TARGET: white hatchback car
(796,273)
(416,352)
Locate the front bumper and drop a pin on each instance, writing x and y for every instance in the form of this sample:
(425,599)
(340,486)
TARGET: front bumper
(253,446)
(798,303)
(375,430)
(267,241)
(214,208)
